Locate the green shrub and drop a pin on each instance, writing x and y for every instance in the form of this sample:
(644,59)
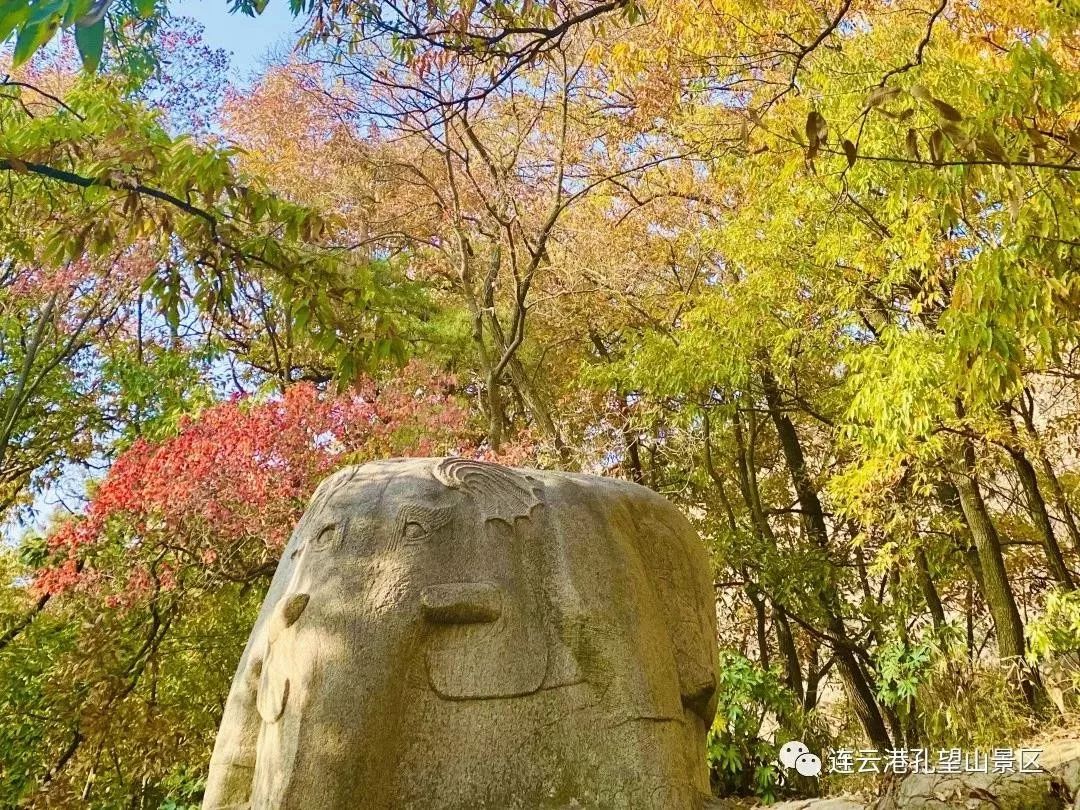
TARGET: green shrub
(755,710)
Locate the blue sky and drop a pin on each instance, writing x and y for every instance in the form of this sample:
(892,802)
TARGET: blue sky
(249,39)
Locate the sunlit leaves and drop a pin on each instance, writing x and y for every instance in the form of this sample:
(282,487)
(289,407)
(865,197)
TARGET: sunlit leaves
(123,179)
(12,15)
(32,37)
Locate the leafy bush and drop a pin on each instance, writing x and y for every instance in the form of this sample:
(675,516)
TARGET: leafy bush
(971,705)
(185,788)
(1054,644)
(755,709)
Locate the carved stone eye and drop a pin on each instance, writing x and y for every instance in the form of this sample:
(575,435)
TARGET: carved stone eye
(414,531)
(325,538)
(417,523)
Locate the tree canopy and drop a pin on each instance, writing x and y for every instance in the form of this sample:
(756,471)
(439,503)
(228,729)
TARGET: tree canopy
(808,268)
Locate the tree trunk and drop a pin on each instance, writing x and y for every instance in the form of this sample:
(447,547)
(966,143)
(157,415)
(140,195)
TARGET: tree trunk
(1027,411)
(495,413)
(761,623)
(1041,518)
(856,682)
(813,678)
(969,615)
(858,689)
(538,409)
(746,470)
(950,499)
(928,590)
(999,596)
(785,641)
(1008,626)
(1061,502)
(631,438)
(747,477)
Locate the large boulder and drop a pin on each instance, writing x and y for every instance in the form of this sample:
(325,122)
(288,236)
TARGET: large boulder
(446,633)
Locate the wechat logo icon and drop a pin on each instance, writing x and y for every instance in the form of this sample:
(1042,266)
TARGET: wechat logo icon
(796,755)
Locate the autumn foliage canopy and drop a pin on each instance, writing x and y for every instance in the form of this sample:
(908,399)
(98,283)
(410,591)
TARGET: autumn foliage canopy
(808,268)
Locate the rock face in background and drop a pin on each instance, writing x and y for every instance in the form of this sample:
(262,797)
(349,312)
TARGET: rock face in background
(976,791)
(1054,786)
(445,633)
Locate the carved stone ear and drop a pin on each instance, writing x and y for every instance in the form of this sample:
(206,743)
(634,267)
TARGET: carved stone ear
(499,492)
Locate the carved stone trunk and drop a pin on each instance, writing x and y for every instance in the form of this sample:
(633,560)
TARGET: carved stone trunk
(449,634)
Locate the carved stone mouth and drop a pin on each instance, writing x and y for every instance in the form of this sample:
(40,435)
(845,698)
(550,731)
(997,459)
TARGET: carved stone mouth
(483,644)
(461,603)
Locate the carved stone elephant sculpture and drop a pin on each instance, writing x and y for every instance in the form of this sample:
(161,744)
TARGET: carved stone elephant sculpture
(447,634)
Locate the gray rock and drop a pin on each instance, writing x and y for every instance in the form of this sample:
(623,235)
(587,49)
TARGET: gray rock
(978,791)
(1056,786)
(834,803)
(1062,759)
(445,633)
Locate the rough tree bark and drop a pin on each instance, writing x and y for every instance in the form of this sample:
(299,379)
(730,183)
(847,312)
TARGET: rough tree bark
(746,472)
(1061,502)
(856,681)
(1036,505)
(928,589)
(1008,626)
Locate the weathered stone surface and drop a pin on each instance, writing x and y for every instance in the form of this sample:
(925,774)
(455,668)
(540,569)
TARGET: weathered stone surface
(444,634)
(978,791)
(1056,786)
(1062,759)
(834,803)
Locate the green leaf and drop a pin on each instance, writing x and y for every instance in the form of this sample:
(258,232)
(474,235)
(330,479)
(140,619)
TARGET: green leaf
(91,41)
(75,10)
(44,12)
(145,8)
(11,18)
(32,37)
(302,315)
